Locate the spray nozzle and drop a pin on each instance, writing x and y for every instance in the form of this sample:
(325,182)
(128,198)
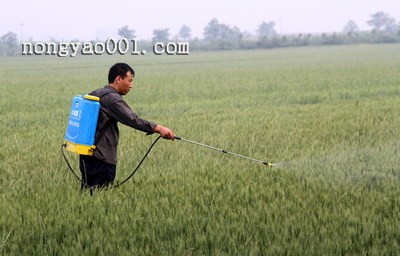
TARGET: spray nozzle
(268,164)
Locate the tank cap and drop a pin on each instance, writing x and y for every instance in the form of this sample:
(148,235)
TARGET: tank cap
(91,97)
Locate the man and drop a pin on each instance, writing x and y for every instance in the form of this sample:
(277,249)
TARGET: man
(99,170)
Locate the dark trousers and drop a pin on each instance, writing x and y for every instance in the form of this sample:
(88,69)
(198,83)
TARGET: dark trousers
(95,173)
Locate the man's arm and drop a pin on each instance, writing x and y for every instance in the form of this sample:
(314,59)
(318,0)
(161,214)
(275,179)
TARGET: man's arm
(123,113)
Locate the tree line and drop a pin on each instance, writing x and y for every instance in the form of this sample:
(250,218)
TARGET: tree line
(220,36)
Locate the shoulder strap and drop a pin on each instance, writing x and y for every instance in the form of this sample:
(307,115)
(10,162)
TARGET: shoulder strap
(104,128)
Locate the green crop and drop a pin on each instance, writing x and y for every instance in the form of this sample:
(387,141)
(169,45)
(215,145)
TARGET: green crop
(328,115)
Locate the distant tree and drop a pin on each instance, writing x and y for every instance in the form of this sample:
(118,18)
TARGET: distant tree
(398,29)
(351,28)
(381,21)
(161,35)
(391,26)
(212,31)
(8,44)
(266,29)
(222,36)
(185,32)
(126,32)
(220,31)
(267,35)
(235,33)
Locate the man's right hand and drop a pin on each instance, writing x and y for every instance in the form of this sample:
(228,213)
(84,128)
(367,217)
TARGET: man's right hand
(164,132)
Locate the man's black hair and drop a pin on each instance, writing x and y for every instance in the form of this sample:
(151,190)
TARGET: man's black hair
(119,69)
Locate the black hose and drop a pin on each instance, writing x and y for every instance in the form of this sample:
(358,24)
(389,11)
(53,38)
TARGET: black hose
(66,160)
(140,163)
(119,184)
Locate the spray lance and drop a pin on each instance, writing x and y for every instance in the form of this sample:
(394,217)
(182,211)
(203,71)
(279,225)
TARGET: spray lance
(269,164)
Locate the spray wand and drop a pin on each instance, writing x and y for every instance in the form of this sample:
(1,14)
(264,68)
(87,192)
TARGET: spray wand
(269,164)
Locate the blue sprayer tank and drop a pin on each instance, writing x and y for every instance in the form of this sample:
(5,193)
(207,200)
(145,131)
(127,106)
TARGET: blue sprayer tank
(81,130)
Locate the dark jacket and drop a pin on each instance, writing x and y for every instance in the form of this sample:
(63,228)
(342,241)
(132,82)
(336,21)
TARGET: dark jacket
(113,110)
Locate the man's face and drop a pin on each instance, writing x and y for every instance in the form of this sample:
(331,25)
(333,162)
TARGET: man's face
(124,84)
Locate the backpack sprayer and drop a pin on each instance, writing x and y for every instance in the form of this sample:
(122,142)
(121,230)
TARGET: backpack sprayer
(81,131)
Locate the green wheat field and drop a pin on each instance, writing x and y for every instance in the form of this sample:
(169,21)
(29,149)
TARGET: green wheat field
(328,117)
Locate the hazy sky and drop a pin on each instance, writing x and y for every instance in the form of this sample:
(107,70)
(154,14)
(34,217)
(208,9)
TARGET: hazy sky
(86,20)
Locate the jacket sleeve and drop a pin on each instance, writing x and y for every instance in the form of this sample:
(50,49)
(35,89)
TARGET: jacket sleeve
(120,111)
